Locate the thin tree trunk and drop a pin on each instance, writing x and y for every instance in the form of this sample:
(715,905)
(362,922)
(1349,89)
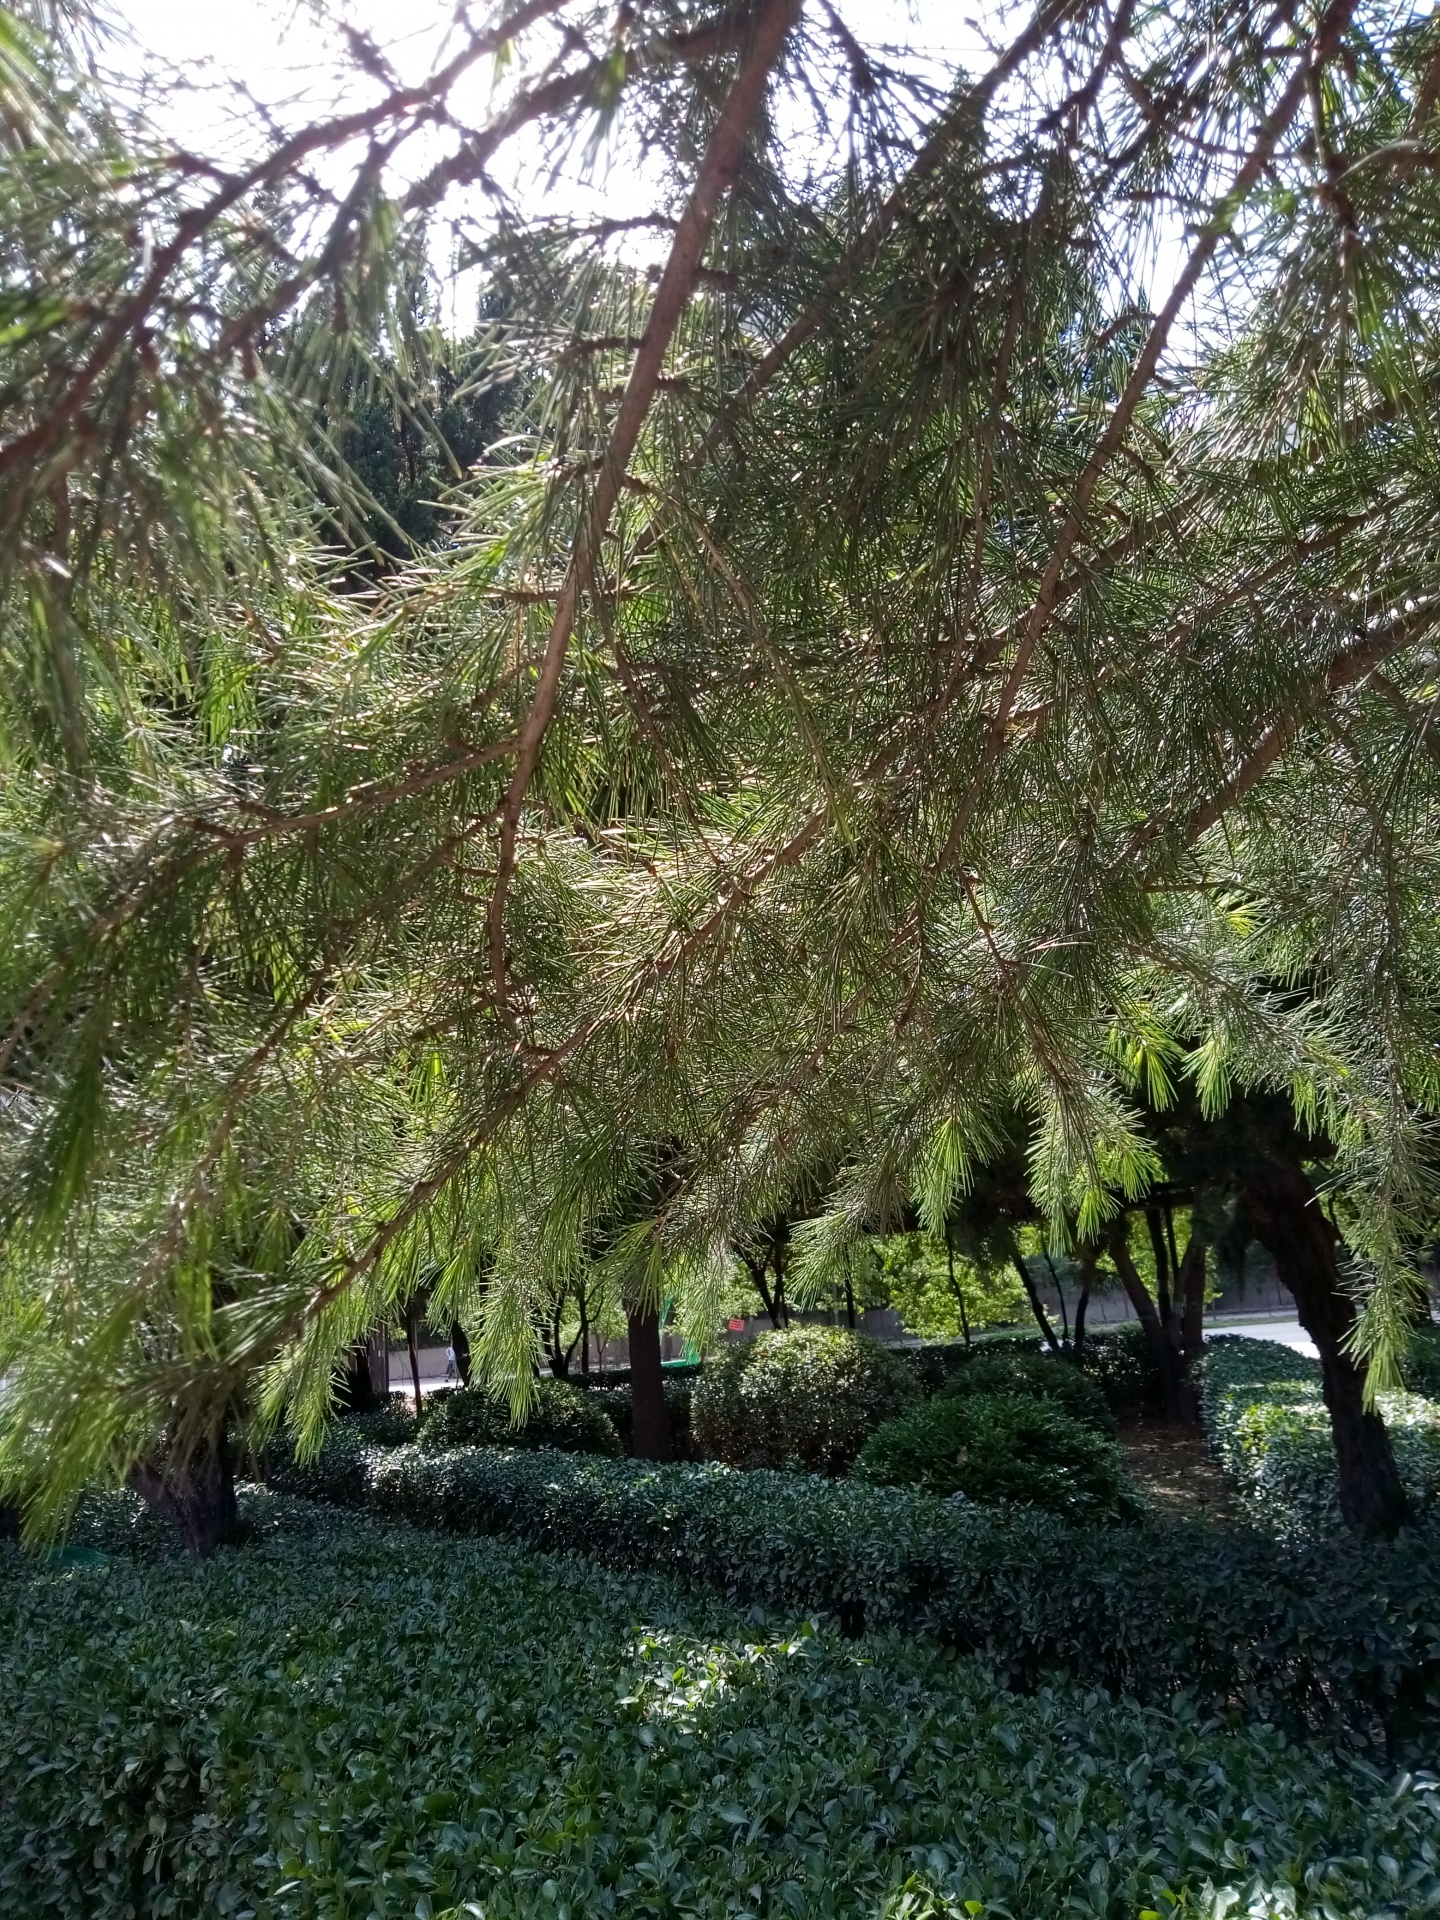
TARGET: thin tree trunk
(955,1287)
(849,1296)
(1060,1296)
(1156,1338)
(413,1349)
(1036,1305)
(1163,1296)
(1087,1256)
(1168,1215)
(1192,1294)
(1286,1215)
(584,1299)
(460,1341)
(649,1427)
(559,1359)
(356,1392)
(195,1492)
(756,1271)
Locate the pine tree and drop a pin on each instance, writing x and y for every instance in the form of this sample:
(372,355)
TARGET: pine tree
(922,665)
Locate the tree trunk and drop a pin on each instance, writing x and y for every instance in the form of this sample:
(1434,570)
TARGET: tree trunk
(955,1287)
(356,1391)
(1286,1216)
(849,1296)
(413,1348)
(559,1358)
(1164,1299)
(460,1341)
(1036,1306)
(1060,1296)
(584,1303)
(1156,1338)
(196,1493)
(1192,1294)
(649,1427)
(1087,1257)
(756,1271)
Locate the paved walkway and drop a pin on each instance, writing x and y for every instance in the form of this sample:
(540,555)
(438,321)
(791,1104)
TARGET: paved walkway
(1289,1333)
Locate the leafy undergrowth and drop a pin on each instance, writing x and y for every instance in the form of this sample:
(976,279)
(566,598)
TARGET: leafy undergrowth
(1327,1635)
(350,1719)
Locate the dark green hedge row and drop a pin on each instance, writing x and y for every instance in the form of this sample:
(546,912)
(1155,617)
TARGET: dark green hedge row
(350,1721)
(1317,1636)
(1265,1418)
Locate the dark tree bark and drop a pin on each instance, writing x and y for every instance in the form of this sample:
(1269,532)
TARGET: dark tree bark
(1163,1296)
(357,1392)
(584,1303)
(756,1270)
(1060,1296)
(1036,1305)
(1285,1214)
(460,1341)
(649,1426)
(779,1245)
(1087,1256)
(1192,1294)
(849,1296)
(559,1356)
(195,1492)
(955,1286)
(412,1347)
(1157,1340)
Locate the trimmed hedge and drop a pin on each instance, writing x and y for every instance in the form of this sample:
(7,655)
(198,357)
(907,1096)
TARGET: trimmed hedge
(1338,1633)
(313,1728)
(1116,1358)
(1265,1417)
(995,1447)
(1422,1362)
(806,1398)
(560,1417)
(1037,1376)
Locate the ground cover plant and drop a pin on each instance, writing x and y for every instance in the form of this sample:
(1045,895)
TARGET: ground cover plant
(808,1397)
(1322,1636)
(333,1720)
(997,1447)
(1264,1415)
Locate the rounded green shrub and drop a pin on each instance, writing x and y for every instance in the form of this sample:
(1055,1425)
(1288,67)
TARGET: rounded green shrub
(560,1416)
(386,1427)
(994,1447)
(1038,1376)
(806,1398)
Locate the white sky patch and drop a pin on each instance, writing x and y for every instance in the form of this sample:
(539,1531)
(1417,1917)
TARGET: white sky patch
(222,78)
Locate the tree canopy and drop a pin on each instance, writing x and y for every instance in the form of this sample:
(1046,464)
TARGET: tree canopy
(944,655)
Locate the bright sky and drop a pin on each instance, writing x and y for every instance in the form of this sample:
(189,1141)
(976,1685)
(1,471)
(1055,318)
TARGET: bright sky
(288,60)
